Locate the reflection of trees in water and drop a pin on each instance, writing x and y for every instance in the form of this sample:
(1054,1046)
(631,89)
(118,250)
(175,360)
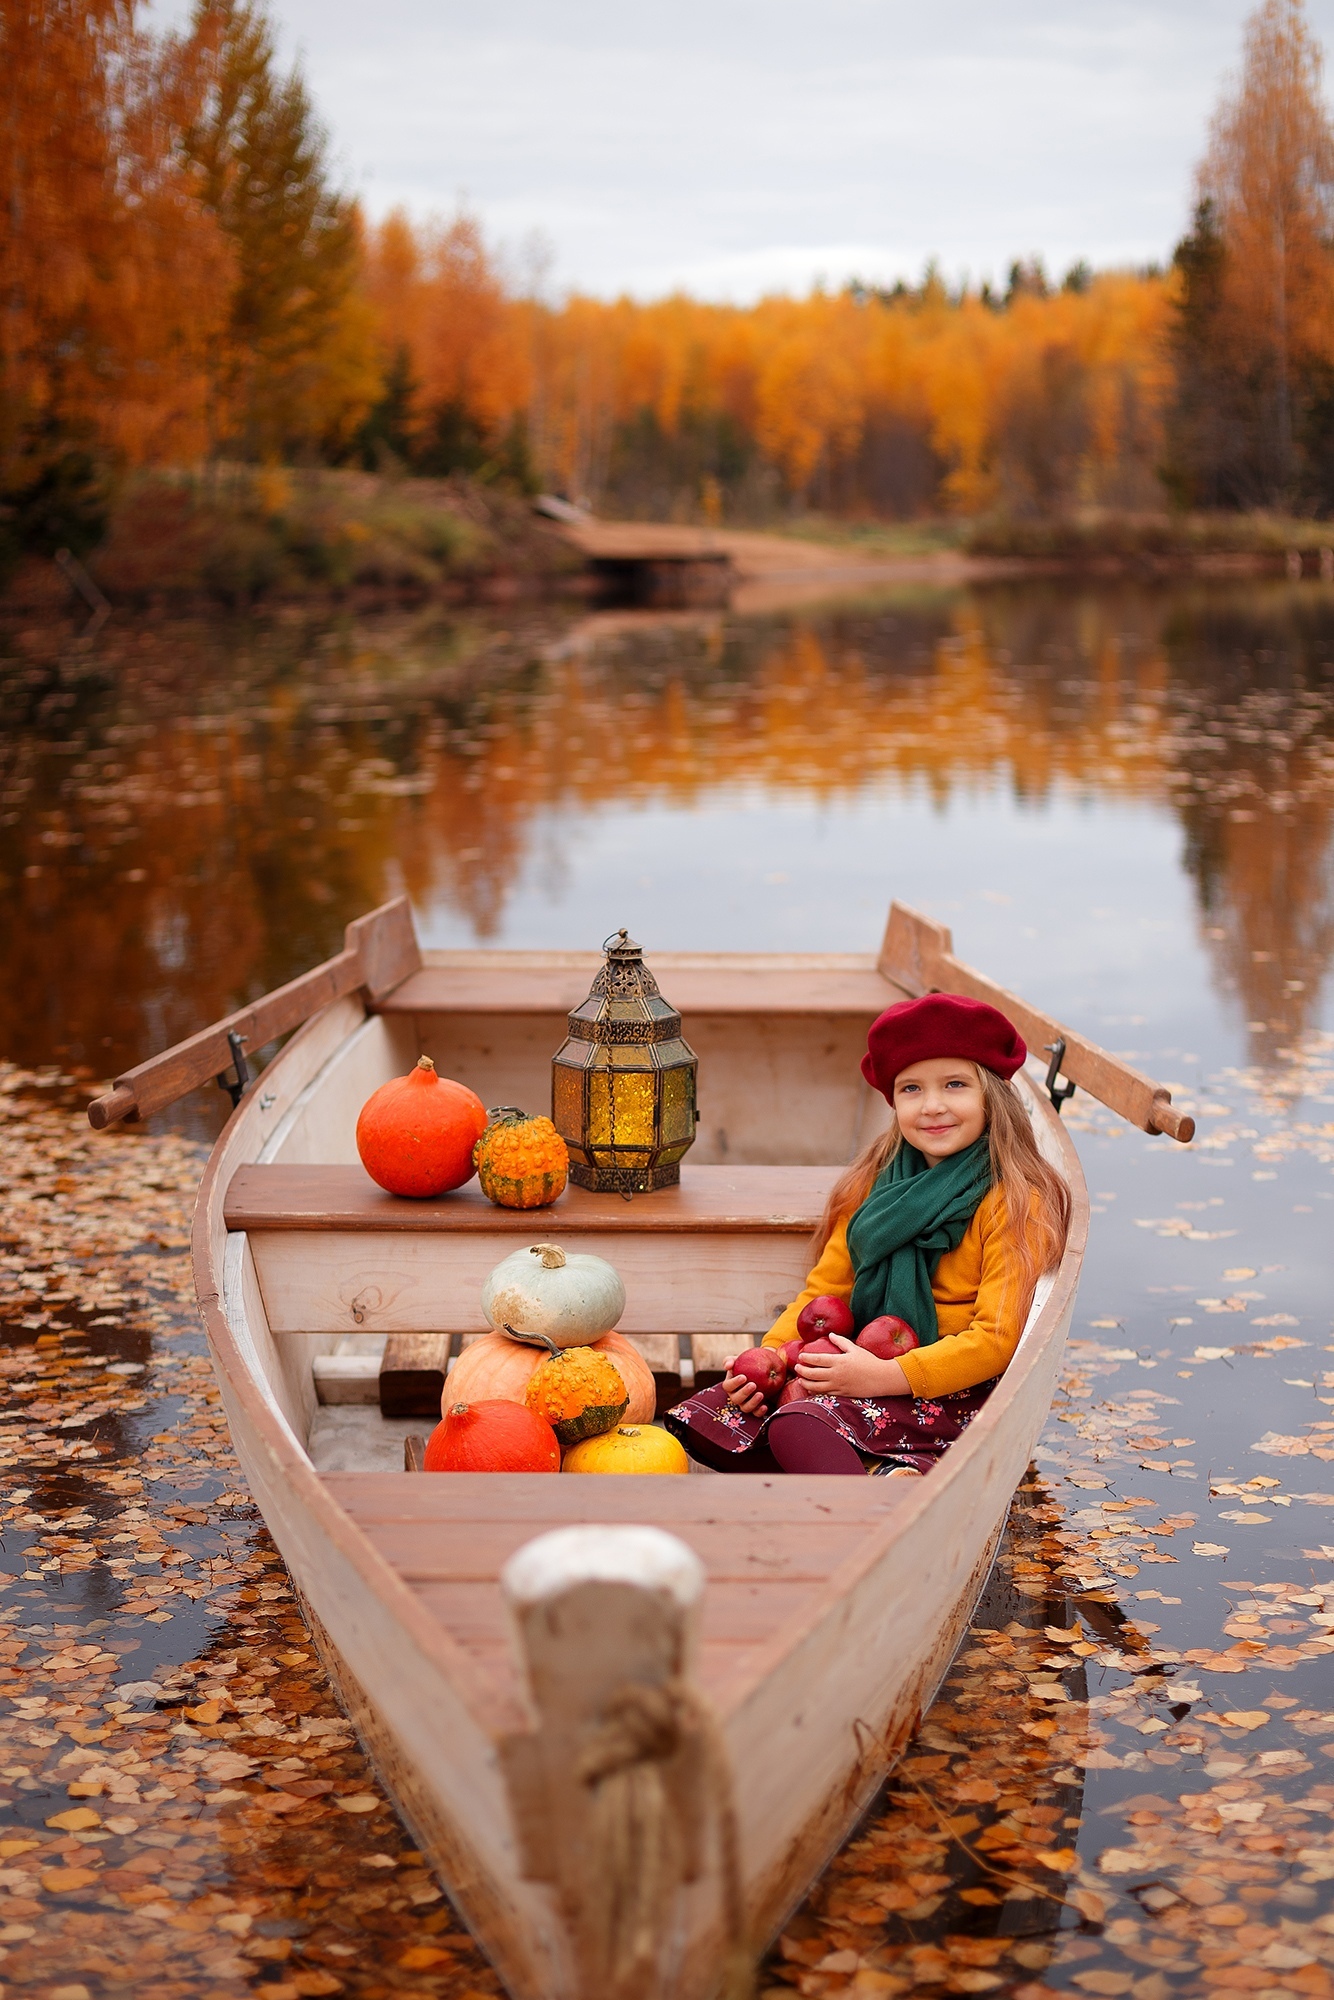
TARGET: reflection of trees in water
(1259,755)
(196,819)
(1262,866)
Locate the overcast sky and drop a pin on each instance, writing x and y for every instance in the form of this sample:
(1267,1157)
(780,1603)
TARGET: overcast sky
(733,147)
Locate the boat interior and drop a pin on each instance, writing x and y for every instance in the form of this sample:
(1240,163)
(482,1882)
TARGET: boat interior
(363,1301)
(367,1301)
(370,1299)
(335,1313)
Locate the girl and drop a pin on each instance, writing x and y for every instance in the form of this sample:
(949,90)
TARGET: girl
(921,1225)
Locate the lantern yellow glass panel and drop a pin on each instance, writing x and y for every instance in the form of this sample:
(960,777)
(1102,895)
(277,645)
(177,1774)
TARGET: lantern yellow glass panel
(623,1081)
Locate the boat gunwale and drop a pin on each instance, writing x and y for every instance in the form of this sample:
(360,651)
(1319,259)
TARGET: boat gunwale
(497,1712)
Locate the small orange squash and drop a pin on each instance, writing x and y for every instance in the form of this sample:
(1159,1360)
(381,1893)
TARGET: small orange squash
(521,1162)
(417,1132)
(495,1365)
(492,1437)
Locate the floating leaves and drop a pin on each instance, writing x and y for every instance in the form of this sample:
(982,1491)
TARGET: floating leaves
(1209,1882)
(1079,1813)
(183,1808)
(1178,1225)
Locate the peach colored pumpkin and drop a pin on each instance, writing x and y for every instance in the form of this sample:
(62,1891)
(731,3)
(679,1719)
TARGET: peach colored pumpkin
(496,1366)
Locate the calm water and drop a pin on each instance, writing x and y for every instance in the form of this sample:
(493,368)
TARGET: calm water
(1121,800)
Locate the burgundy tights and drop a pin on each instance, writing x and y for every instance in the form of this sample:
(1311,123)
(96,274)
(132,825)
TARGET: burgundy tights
(802,1442)
(795,1441)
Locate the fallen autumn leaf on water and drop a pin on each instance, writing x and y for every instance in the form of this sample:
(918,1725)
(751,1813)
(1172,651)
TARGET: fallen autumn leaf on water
(152,1655)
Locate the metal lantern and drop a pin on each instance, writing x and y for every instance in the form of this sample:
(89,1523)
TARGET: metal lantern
(623,1081)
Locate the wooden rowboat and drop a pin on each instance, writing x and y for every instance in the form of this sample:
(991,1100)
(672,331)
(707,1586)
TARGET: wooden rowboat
(634,1750)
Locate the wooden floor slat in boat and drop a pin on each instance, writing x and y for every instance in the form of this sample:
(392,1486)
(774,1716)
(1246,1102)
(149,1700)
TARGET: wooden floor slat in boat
(744,1613)
(730,1200)
(721,1665)
(373,1498)
(432,1552)
(768,1545)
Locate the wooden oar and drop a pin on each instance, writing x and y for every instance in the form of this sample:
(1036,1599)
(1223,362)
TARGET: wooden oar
(379,951)
(918,955)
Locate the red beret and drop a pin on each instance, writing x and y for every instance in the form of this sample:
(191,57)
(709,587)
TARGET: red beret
(940,1024)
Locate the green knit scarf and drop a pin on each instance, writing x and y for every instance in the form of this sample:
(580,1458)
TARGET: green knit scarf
(911,1217)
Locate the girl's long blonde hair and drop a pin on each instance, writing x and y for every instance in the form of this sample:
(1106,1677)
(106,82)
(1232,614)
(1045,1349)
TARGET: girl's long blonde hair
(1030,1187)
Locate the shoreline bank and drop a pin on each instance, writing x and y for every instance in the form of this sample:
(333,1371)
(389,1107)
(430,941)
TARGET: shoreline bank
(247,538)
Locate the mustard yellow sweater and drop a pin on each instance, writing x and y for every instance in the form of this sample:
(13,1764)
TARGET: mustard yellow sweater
(980,1305)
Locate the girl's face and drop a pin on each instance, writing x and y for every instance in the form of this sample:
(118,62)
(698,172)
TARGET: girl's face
(940,1106)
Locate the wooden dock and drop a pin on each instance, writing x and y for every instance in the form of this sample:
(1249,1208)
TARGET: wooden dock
(646,562)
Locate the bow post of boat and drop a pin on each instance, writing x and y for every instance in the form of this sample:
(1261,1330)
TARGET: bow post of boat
(621,1794)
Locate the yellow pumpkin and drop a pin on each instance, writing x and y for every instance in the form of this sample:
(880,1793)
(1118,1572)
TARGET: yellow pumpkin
(496,1366)
(579,1393)
(630,1448)
(521,1162)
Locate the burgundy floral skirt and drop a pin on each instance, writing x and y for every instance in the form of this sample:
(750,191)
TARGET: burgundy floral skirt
(903,1430)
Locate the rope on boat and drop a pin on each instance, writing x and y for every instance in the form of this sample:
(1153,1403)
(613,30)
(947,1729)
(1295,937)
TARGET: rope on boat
(638,1846)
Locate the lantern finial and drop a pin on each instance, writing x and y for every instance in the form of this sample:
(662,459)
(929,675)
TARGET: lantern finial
(623,1081)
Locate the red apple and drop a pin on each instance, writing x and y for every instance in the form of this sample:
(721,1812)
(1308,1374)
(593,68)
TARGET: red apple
(792,1354)
(794,1392)
(887,1337)
(825,1315)
(821,1346)
(765,1367)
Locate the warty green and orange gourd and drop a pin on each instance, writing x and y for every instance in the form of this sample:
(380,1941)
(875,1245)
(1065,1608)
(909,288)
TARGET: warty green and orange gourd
(579,1393)
(521,1162)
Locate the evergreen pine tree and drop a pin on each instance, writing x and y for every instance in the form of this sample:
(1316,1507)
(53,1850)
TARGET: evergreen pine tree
(299,340)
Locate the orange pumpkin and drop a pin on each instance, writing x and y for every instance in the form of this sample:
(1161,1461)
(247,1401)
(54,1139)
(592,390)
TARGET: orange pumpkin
(416,1133)
(495,1365)
(492,1437)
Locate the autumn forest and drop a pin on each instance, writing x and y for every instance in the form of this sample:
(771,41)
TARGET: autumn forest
(183,284)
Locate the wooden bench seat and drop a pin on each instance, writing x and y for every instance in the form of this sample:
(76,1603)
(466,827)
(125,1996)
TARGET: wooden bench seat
(721,1255)
(539,982)
(779,1039)
(770,1545)
(740,1200)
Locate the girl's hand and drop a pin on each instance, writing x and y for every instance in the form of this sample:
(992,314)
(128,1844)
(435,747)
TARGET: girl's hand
(744,1396)
(851,1372)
